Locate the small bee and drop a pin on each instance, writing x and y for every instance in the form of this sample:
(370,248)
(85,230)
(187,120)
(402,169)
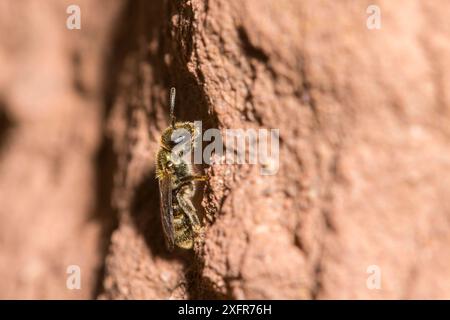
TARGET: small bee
(177,182)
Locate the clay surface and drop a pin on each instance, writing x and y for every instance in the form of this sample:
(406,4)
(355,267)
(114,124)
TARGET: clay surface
(364,163)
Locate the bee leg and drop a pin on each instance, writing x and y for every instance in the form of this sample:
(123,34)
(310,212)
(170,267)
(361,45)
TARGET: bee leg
(189,210)
(189,179)
(200,178)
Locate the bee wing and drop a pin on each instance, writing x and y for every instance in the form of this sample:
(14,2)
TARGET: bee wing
(165,190)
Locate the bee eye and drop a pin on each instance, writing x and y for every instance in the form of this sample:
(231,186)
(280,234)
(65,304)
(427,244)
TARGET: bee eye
(169,164)
(178,139)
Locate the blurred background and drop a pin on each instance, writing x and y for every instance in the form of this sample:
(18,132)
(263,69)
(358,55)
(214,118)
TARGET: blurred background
(364,118)
(51,122)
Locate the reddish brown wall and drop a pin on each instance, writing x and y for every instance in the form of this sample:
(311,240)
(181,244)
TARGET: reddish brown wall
(363,118)
(364,148)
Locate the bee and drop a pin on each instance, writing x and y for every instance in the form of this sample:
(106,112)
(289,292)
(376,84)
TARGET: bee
(176,177)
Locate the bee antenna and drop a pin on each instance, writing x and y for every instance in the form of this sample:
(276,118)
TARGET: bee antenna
(172,106)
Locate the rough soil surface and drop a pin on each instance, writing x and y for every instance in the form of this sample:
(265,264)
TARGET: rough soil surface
(364,119)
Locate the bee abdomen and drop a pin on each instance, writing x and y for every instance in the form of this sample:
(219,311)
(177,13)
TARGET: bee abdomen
(182,231)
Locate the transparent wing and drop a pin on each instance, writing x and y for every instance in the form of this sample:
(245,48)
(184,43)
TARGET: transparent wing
(165,192)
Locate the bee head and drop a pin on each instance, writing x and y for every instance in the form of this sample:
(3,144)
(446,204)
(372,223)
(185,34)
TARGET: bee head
(180,133)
